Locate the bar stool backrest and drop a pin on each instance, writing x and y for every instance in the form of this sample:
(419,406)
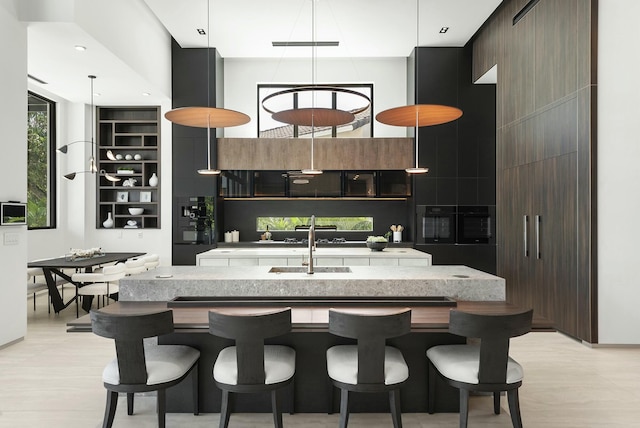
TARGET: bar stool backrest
(371,332)
(494,332)
(249,332)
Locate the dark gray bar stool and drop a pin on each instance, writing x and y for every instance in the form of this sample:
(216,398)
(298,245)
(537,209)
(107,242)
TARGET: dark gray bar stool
(251,366)
(486,367)
(140,367)
(369,366)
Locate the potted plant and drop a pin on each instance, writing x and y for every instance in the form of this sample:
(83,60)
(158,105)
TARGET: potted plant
(377,243)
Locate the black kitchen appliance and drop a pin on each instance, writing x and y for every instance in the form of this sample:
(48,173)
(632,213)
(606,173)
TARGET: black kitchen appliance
(195,220)
(476,224)
(436,224)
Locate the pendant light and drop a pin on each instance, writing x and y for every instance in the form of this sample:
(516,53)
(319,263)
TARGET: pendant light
(92,159)
(207,117)
(312,170)
(418,115)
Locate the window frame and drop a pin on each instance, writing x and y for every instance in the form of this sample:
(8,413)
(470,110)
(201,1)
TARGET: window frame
(52,202)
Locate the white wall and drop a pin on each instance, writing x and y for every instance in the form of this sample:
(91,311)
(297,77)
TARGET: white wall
(13,173)
(388,75)
(618,171)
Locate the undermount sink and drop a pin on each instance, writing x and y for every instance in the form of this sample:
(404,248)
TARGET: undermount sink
(317,269)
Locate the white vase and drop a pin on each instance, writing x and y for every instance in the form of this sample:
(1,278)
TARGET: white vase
(153,180)
(108,223)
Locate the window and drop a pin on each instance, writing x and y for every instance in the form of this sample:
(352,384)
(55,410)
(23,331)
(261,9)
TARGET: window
(288,96)
(340,224)
(41,189)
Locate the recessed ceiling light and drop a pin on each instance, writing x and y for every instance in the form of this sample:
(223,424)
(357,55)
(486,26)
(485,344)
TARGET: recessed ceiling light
(201,31)
(444,30)
(97,94)
(145,94)
(80,48)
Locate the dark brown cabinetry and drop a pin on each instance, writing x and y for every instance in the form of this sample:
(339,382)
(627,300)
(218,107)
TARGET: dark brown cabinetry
(545,165)
(129,149)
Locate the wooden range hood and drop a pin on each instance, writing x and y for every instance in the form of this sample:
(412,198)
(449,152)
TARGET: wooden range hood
(277,154)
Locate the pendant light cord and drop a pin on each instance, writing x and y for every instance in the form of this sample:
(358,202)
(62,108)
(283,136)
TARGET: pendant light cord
(313,74)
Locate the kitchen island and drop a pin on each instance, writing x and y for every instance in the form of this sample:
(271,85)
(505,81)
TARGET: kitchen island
(310,296)
(274,254)
(456,282)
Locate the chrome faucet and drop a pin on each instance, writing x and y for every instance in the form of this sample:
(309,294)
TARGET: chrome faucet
(312,244)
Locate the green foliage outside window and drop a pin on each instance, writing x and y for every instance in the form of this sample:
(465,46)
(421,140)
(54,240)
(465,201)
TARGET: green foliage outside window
(290,223)
(38,163)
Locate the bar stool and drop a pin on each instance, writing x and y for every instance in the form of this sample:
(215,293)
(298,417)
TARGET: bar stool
(143,367)
(251,366)
(486,367)
(369,366)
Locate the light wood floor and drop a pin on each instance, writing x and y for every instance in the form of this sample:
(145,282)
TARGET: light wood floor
(53,379)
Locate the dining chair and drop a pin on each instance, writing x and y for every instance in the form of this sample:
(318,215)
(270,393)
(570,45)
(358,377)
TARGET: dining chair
(34,285)
(151,261)
(134,266)
(99,284)
(140,366)
(370,365)
(484,367)
(251,366)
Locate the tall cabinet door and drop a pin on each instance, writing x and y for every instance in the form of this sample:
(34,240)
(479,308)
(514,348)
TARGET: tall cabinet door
(558,240)
(514,217)
(538,257)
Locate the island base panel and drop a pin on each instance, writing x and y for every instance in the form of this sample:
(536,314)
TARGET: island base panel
(311,384)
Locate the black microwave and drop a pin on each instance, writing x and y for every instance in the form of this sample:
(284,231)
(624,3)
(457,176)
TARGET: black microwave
(13,213)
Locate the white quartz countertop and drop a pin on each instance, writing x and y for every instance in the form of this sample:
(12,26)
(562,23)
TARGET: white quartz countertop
(457,282)
(344,252)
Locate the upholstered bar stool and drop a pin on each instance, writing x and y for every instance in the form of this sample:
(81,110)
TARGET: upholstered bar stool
(140,366)
(370,365)
(486,367)
(251,366)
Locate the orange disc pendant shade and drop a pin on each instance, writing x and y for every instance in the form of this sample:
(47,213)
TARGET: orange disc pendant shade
(314,117)
(205,117)
(427,115)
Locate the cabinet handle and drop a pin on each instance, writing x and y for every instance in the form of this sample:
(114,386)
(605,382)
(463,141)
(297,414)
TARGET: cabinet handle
(538,255)
(525,224)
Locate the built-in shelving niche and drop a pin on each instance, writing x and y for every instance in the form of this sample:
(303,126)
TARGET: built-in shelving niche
(132,134)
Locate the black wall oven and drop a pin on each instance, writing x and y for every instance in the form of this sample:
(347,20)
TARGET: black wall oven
(450,224)
(476,225)
(436,224)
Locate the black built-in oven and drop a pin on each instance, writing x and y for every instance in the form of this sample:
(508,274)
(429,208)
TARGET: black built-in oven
(436,224)
(476,224)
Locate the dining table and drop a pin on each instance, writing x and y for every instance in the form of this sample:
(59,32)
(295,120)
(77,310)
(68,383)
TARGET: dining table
(56,267)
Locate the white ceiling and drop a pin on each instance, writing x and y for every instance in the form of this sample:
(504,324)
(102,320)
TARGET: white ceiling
(364,28)
(245,29)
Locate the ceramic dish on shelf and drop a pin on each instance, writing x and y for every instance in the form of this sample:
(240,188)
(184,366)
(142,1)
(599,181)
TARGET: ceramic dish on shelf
(136,211)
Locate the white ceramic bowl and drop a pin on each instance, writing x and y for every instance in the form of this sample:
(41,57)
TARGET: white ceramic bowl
(136,211)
